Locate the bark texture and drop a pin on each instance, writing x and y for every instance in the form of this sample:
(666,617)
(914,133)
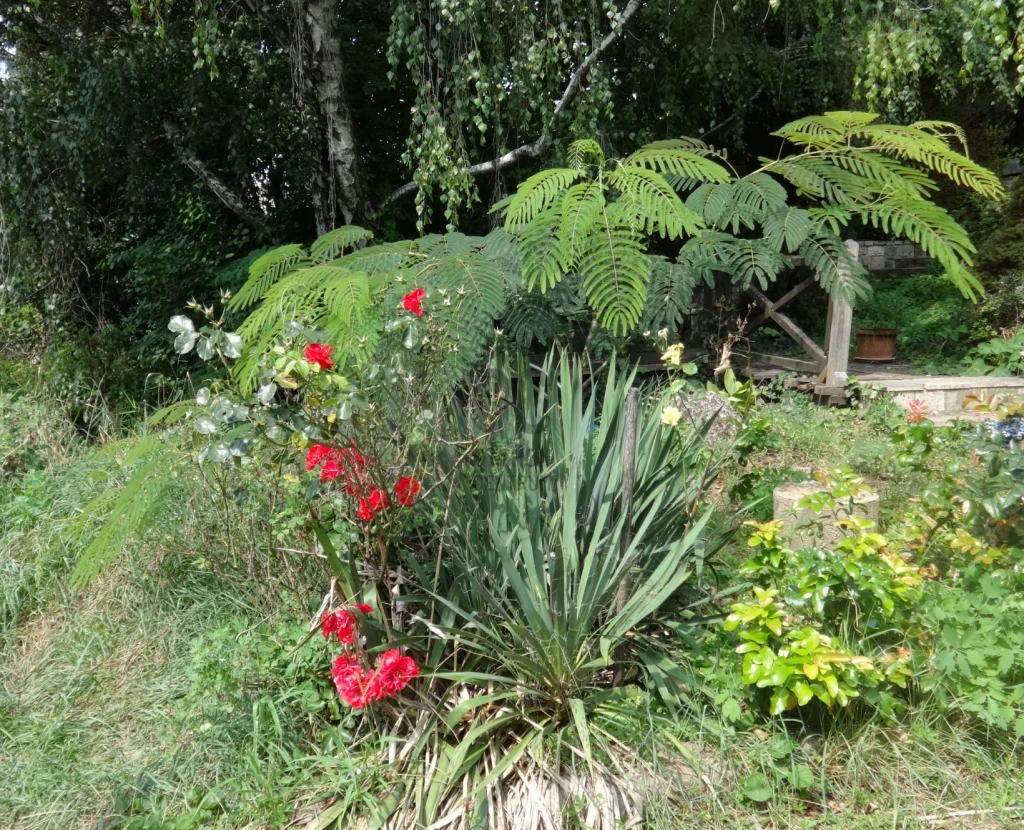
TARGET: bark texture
(345,196)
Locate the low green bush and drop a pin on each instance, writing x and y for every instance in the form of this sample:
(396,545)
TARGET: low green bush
(926,309)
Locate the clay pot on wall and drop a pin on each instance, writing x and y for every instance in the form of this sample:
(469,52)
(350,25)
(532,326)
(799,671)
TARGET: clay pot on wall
(876,345)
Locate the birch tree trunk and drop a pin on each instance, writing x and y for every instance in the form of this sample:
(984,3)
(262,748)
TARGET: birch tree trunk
(345,198)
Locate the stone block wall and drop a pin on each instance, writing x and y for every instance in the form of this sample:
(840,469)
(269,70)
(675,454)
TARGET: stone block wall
(892,257)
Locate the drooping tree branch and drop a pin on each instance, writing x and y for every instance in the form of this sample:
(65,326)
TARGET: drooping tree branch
(231,200)
(534,149)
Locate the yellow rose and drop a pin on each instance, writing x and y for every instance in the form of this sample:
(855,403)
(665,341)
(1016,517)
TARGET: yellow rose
(673,355)
(670,416)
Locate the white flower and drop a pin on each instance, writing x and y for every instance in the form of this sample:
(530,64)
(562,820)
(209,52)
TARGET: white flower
(670,416)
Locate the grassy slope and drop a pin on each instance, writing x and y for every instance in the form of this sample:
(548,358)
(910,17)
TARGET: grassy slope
(101,703)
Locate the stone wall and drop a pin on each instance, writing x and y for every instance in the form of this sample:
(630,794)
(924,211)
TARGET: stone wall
(892,257)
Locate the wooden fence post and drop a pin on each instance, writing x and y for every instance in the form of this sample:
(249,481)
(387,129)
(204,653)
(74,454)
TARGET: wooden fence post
(840,322)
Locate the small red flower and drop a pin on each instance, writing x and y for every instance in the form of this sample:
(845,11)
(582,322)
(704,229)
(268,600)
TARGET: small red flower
(347,462)
(316,455)
(378,500)
(918,409)
(370,507)
(342,622)
(353,684)
(413,301)
(393,674)
(406,489)
(320,355)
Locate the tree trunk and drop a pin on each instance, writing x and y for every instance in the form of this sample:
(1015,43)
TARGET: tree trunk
(345,195)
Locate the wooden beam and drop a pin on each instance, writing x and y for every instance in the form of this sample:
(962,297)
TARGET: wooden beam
(785,299)
(788,326)
(790,363)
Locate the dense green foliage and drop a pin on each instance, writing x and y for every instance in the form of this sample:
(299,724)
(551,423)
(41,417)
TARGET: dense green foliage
(298,529)
(146,146)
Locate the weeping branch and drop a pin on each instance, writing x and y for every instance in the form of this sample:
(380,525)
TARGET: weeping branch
(534,149)
(231,200)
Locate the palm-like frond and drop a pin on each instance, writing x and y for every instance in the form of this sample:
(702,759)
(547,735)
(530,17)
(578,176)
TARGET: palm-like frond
(544,262)
(581,210)
(787,227)
(581,150)
(834,268)
(667,159)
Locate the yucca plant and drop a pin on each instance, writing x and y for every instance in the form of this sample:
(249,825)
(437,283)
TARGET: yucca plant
(535,652)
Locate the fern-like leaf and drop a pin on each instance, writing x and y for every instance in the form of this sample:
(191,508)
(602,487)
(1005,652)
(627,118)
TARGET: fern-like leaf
(333,243)
(534,318)
(787,227)
(537,194)
(710,202)
(265,272)
(657,207)
(755,259)
(542,251)
(435,245)
(580,208)
(582,150)
(669,160)
(835,270)
(669,294)
(130,509)
(615,271)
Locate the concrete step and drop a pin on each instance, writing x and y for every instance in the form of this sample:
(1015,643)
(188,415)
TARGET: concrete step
(946,393)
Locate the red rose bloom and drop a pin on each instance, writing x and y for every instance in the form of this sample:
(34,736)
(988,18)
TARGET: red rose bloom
(406,489)
(331,469)
(342,622)
(393,674)
(370,507)
(352,683)
(316,454)
(413,301)
(378,500)
(319,354)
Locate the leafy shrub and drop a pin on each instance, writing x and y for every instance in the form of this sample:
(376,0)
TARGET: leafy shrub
(755,488)
(820,623)
(927,310)
(978,638)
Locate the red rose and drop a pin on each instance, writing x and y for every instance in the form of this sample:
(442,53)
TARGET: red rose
(316,455)
(406,489)
(353,684)
(378,500)
(319,354)
(413,301)
(393,674)
(342,622)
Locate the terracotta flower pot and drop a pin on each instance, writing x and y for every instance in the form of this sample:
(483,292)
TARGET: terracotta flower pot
(876,345)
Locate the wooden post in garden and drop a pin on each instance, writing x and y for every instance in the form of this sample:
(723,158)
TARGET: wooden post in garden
(837,344)
(626,506)
(628,481)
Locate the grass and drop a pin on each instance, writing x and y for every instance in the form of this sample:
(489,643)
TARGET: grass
(161,693)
